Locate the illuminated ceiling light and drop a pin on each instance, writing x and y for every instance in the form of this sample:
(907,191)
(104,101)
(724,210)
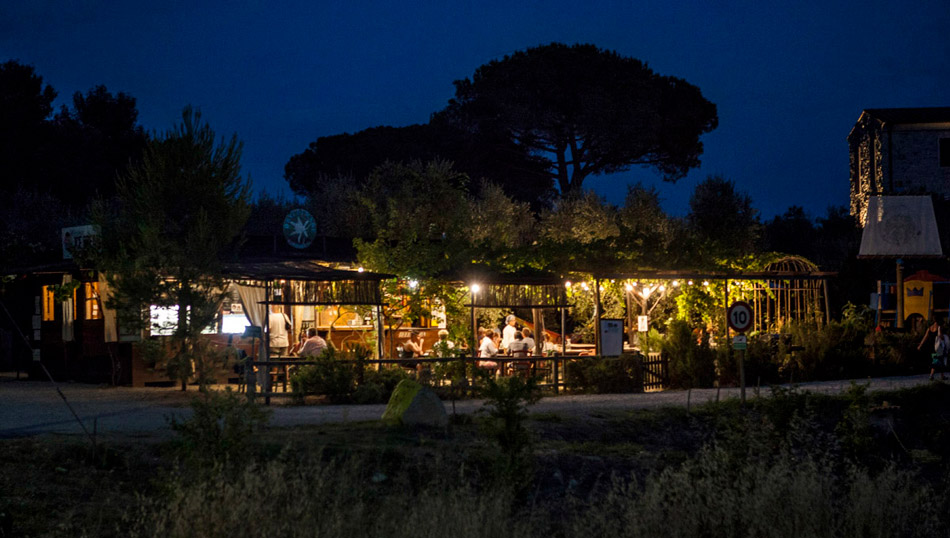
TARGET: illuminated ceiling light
(475,288)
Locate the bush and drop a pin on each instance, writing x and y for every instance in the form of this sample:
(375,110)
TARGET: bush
(692,364)
(326,375)
(220,428)
(378,385)
(604,376)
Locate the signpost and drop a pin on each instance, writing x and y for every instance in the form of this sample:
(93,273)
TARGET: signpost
(739,318)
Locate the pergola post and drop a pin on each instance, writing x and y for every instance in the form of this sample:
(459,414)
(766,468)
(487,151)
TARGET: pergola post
(597,316)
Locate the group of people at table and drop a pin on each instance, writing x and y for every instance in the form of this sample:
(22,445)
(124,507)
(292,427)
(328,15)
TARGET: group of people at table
(510,342)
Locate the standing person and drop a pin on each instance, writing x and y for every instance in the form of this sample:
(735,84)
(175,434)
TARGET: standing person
(314,346)
(278,328)
(508,333)
(941,350)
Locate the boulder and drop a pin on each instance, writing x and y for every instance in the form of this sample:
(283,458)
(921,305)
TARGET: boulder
(411,404)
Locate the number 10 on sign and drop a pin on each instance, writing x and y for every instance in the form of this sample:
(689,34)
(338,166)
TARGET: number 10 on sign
(739,316)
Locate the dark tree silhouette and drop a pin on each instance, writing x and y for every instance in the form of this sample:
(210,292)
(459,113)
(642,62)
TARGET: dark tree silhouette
(586,111)
(94,143)
(791,233)
(357,155)
(723,219)
(25,105)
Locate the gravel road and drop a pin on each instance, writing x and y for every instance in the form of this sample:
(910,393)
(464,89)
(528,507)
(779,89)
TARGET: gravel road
(30,408)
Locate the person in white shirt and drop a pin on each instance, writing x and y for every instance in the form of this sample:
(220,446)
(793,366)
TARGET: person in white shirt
(508,333)
(278,325)
(488,349)
(314,346)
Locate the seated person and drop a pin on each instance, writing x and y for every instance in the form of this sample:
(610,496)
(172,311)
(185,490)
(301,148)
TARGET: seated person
(314,345)
(295,349)
(529,340)
(548,347)
(444,347)
(412,348)
(518,347)
(488,349)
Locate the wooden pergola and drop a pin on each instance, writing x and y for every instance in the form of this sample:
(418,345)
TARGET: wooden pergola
(786,290)
(317,285)
(535,292)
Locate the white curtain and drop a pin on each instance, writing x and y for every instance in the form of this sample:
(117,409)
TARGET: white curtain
(110,332)
(68,313)
(252,297)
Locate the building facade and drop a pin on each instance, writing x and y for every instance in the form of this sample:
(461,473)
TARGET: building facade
(899,151)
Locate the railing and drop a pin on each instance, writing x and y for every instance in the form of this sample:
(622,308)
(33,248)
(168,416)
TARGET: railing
(654,370)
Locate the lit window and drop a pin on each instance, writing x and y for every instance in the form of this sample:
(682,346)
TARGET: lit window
(49,304)
(91,291)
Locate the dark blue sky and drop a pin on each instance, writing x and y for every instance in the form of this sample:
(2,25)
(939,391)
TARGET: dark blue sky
(789,78)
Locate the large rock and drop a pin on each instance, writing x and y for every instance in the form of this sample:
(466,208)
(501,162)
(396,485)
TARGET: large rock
(411,404)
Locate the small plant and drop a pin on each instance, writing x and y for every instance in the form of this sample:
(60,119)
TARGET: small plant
(219,430)
(327,375)
(507,401)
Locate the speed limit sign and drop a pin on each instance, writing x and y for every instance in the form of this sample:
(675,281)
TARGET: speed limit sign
(739,316)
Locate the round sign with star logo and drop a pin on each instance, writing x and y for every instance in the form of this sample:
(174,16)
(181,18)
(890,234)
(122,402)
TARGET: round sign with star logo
(300,228)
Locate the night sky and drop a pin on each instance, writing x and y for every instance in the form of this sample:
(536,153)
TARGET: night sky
(789,79)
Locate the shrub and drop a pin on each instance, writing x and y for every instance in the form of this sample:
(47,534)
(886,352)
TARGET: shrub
(326,375)
(507,401)
(377,385)
(692,364)
(220,428)
(604,376)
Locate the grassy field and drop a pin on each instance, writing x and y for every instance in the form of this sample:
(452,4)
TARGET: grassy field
(791,465)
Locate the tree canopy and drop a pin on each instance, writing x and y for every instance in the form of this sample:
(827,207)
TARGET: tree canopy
(356,155)
(176,217)
(585,111)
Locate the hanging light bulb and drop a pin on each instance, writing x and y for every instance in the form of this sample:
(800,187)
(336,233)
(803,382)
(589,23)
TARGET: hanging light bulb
(676,283)
(689,282)
(628,286)
(567,284)
(584,286)
(475,288)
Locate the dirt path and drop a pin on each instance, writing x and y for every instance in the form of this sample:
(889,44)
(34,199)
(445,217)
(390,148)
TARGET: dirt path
(31,407)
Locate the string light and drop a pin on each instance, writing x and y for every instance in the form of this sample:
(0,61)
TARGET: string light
(628,287)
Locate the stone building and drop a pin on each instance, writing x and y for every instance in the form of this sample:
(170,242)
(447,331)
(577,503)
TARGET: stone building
(899,151)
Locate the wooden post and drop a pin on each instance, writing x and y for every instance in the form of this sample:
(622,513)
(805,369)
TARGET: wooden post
(557,373)
(597,317)
(380,341)
(900,294)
